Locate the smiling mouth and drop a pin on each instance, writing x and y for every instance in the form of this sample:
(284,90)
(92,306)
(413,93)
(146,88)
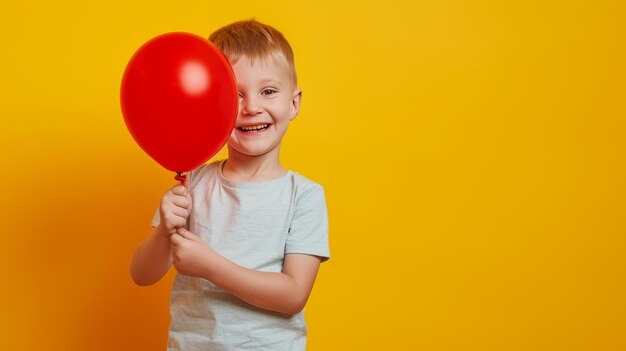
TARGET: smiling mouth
(253,129)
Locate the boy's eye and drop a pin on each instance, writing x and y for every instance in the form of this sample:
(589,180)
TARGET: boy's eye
(268,92)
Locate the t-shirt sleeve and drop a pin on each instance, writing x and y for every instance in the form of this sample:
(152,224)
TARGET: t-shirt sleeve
(156,219)
(308,233)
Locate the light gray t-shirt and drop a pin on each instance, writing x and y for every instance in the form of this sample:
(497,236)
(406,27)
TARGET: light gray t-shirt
(254,225)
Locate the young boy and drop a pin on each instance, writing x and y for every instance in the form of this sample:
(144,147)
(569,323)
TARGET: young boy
(256,233)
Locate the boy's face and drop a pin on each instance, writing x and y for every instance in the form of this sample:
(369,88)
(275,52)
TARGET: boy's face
(268,101)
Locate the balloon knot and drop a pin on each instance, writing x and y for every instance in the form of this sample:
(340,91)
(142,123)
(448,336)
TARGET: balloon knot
(180,177)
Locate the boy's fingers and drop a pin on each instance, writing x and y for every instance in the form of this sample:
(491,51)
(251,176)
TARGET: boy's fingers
(184,233)
(174,214)
(180,212)
(178,222)
(181,201)
(179,190)
(175,239)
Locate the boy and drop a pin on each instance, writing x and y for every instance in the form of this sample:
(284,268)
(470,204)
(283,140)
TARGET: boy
(256,233)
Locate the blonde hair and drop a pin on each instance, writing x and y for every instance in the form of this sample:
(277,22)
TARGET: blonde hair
(256,41)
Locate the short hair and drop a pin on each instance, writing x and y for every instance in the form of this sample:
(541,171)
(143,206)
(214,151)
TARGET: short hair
(257,41)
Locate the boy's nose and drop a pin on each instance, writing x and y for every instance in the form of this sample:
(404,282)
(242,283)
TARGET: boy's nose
(250,106)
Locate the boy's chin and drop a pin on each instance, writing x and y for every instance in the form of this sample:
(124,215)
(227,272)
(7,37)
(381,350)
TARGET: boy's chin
(253,152)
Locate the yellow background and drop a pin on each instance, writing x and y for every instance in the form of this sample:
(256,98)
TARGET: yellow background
(473,154)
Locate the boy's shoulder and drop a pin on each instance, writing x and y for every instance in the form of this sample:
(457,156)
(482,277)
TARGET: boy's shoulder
(305,183)
(305,189)
(203,172)
(301,183)
(211,167)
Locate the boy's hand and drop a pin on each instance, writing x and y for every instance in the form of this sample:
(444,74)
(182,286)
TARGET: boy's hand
(175,208)
(190,253)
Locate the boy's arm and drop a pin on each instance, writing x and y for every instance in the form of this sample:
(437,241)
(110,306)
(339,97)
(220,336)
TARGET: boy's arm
(285,292)
(152,258)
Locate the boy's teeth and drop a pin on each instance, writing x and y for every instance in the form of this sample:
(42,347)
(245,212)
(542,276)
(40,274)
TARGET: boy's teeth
(252,128)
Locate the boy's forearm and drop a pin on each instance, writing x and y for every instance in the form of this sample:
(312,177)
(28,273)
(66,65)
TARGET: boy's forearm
(151,260)
(268,290)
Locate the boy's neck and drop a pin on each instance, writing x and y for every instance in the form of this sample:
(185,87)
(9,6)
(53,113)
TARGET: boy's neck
(244,168)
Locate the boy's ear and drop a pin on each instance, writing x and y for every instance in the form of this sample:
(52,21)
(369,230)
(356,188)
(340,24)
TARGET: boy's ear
(295,104)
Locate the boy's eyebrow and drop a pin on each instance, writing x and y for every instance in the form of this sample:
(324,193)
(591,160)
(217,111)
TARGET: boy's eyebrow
(271,81)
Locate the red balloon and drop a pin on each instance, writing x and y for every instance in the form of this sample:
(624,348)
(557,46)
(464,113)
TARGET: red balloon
(179,100)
